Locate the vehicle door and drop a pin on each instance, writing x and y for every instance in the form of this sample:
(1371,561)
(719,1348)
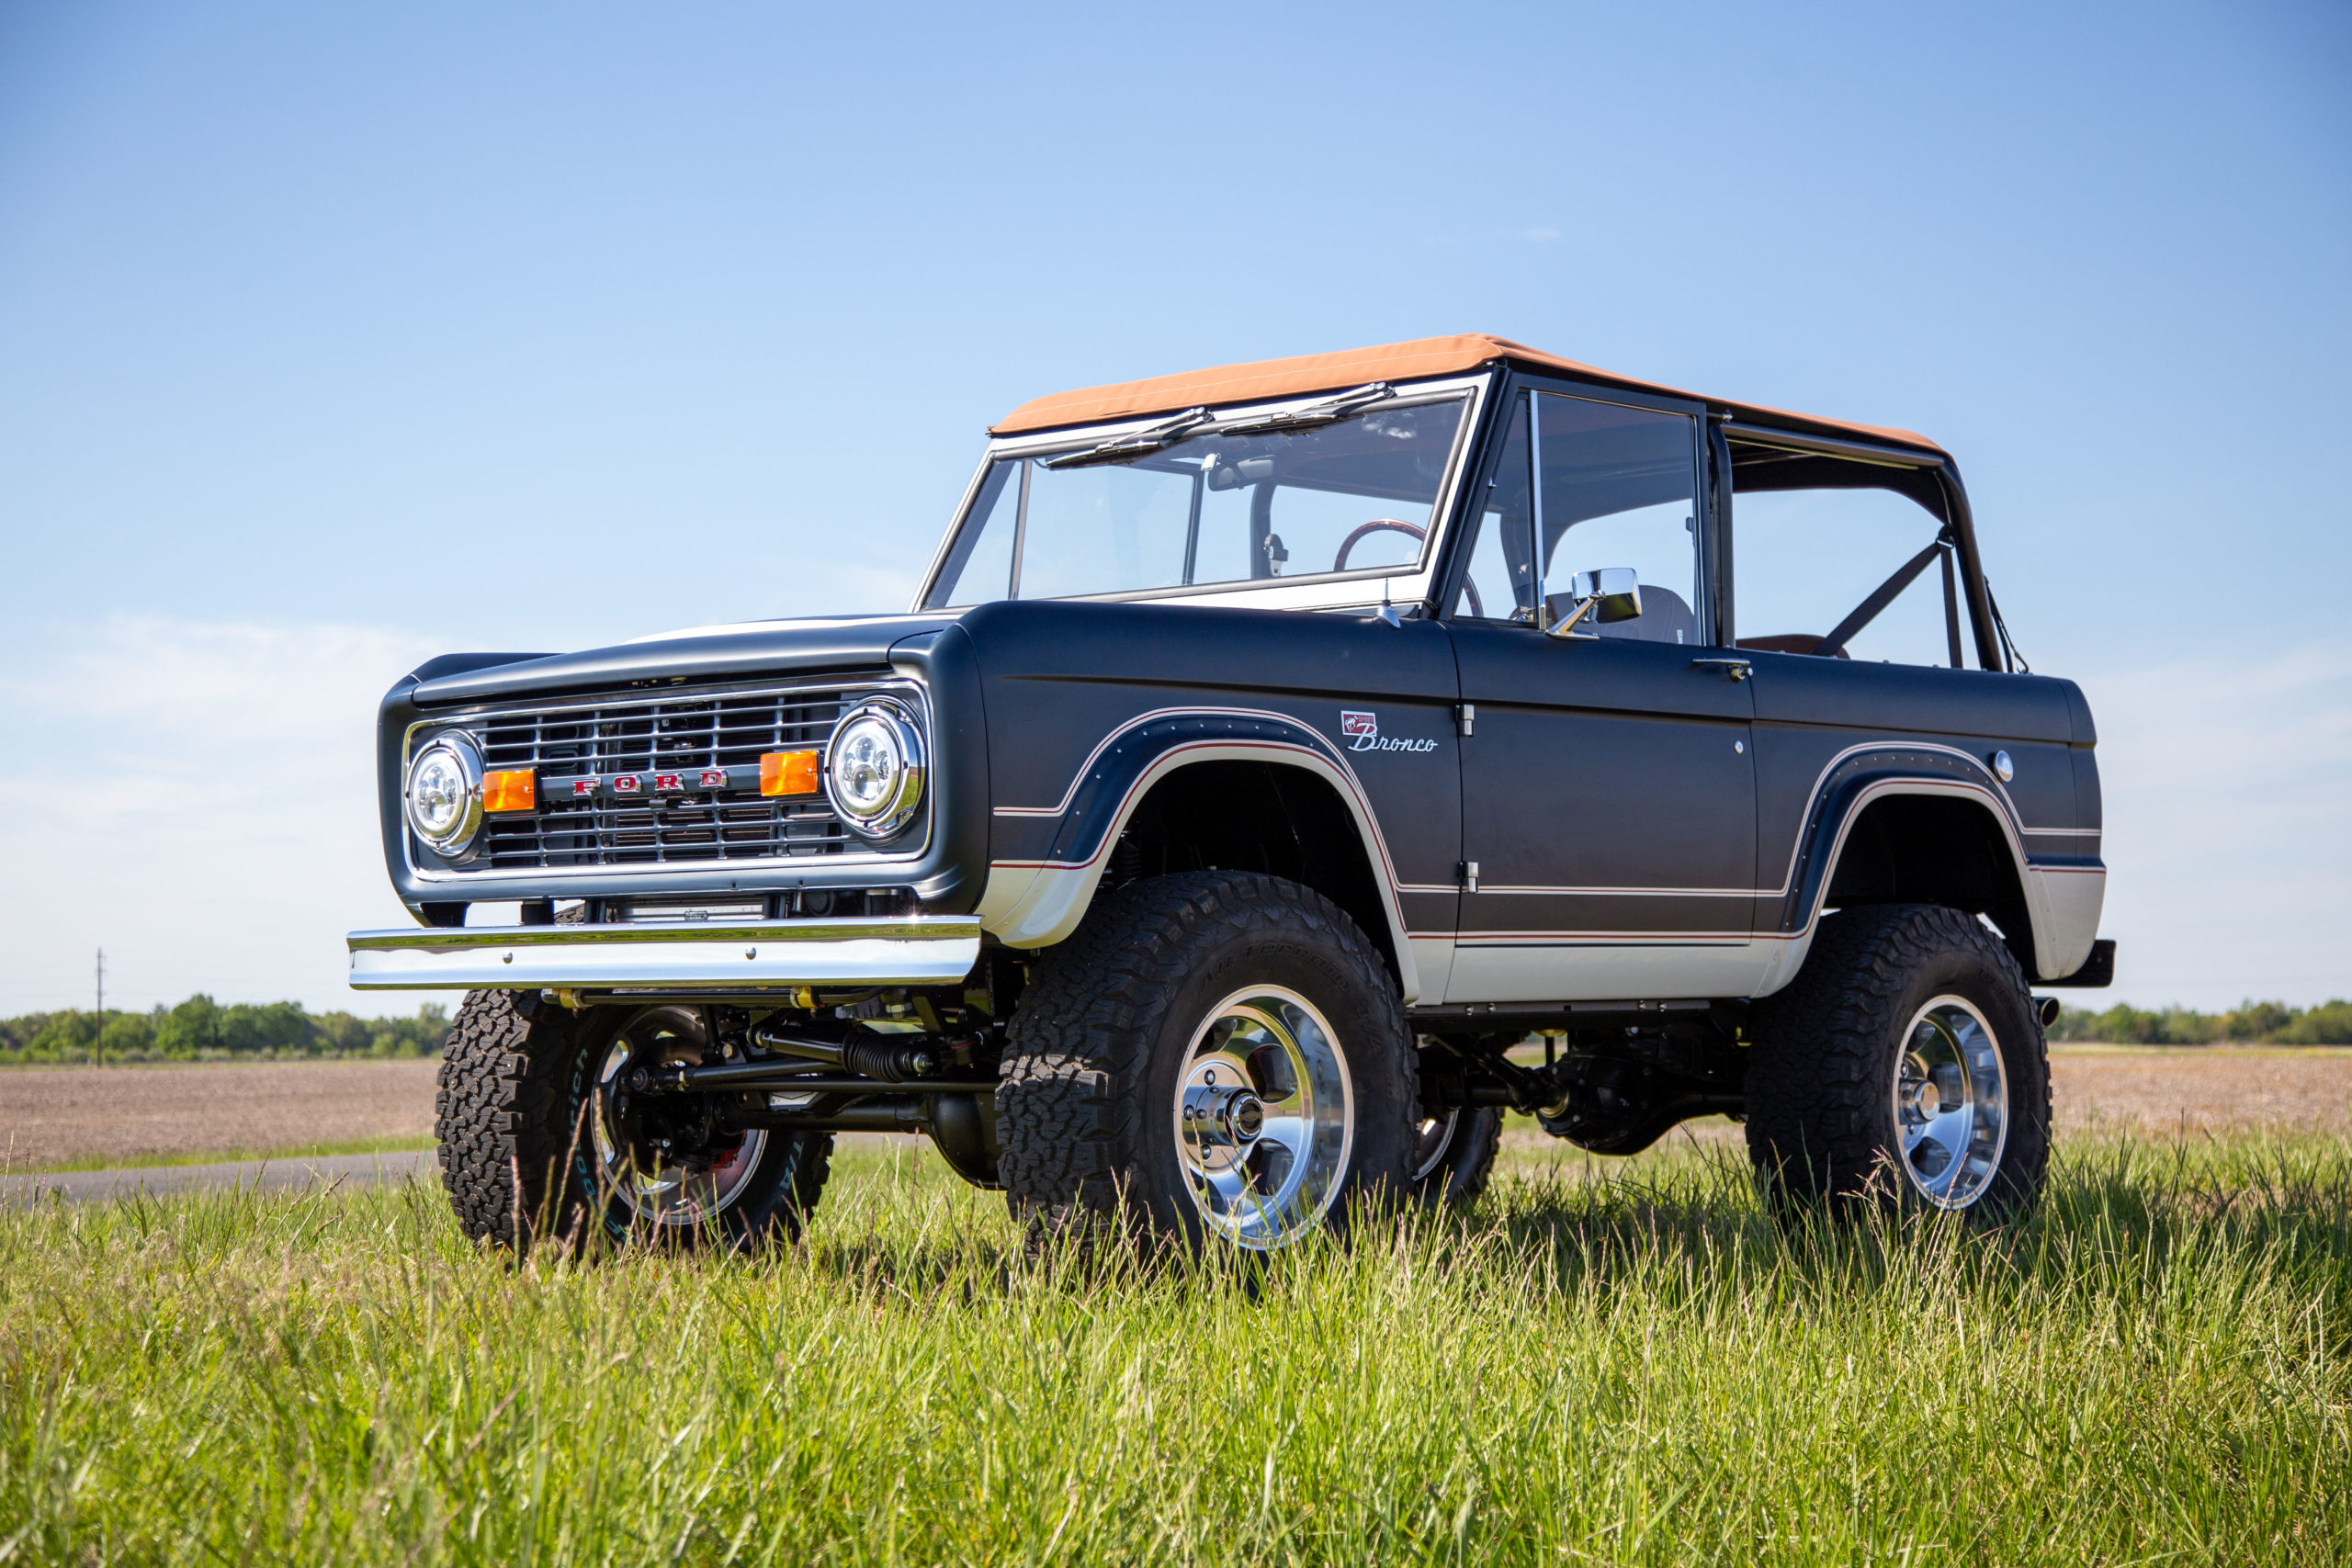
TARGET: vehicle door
(1608,797)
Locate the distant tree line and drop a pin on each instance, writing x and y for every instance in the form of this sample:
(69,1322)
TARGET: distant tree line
(201,1030)
(2263,1023)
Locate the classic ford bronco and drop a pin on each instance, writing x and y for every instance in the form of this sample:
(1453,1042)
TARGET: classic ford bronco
(1285,770)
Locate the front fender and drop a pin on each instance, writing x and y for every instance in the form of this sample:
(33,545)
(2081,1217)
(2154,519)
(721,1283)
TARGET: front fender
(1048,858)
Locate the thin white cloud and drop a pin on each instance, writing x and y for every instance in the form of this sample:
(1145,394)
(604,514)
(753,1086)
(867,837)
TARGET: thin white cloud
(2228,785)
(200,800)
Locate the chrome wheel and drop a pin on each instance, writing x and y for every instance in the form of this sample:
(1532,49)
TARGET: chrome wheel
(1264,1117)
(1951,1103)
(1436,1137)
(665,1179)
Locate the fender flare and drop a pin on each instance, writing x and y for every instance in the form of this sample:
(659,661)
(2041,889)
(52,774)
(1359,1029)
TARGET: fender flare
(1848,787)
(1035,902)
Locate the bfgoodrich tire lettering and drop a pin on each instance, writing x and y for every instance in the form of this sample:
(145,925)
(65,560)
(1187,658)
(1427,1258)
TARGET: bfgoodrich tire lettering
(1088,1107)
(518,1152)
(1829,1053)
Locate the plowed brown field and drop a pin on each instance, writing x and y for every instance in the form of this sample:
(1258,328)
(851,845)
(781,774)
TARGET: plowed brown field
(2113,1088)
(52,1116)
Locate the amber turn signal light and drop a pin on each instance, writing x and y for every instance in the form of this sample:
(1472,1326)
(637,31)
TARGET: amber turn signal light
(510,789)
(788,772)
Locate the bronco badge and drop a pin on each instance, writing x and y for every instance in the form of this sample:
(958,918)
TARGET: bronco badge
(1362,732)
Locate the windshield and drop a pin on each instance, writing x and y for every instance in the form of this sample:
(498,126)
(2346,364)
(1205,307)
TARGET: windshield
(1351,494)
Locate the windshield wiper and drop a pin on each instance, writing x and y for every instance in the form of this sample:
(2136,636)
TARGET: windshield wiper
(1149,439)
(1325,413)
(1168,432)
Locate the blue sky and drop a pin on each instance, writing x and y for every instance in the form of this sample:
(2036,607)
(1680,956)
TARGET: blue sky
(330,338)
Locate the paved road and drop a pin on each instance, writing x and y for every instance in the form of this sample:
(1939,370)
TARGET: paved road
(260,1175)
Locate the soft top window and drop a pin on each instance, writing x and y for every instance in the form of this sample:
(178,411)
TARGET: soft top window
(1842,559)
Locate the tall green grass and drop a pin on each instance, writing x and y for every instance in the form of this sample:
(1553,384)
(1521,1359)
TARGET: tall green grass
(1627,1363)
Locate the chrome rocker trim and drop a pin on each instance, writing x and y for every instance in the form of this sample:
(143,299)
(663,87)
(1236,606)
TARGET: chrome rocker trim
(917,950)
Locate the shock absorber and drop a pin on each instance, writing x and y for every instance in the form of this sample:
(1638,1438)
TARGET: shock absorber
(888,1061)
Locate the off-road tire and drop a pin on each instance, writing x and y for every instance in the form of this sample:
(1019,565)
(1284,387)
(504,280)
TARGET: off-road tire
(1466,1162)
(1821,1124)
(511,1109)
(1085,1105)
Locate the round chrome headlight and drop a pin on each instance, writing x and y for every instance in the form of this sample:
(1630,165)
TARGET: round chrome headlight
(873,769)
(443,796)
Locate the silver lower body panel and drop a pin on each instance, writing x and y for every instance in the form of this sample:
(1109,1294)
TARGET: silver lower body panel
(668,958)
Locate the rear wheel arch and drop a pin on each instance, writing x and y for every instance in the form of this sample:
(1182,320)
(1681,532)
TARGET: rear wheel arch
(1923,842)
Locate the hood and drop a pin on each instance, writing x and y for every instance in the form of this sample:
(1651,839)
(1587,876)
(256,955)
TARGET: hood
(707,653)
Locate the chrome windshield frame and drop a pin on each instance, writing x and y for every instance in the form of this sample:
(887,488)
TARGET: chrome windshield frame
(1362,587)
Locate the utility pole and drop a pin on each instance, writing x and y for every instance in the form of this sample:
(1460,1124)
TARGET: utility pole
(98,1046)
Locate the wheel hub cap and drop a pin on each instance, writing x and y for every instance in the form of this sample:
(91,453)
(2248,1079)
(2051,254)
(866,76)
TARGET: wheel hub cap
(1951,1103)
(1264,1118)
(1222,1123)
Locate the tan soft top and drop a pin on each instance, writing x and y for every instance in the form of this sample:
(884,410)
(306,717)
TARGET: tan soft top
(1268,379)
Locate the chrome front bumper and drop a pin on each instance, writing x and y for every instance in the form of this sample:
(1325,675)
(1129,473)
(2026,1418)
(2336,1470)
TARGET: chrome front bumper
(641,960)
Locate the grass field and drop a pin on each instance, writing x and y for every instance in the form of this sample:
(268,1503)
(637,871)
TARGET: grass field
(1616,1362)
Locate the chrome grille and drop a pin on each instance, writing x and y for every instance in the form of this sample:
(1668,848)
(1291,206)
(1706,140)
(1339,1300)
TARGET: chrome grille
(638,734)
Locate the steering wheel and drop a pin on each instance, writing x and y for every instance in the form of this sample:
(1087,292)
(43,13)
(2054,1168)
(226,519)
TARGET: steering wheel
(1397,525)
(1378,524)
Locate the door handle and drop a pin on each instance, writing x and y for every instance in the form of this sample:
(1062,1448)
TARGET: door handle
(1737,668)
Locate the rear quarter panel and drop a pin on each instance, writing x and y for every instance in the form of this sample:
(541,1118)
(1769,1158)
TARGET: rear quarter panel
(1827,730)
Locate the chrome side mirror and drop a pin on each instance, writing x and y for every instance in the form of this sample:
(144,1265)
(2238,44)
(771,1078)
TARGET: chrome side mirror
(1611,594)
